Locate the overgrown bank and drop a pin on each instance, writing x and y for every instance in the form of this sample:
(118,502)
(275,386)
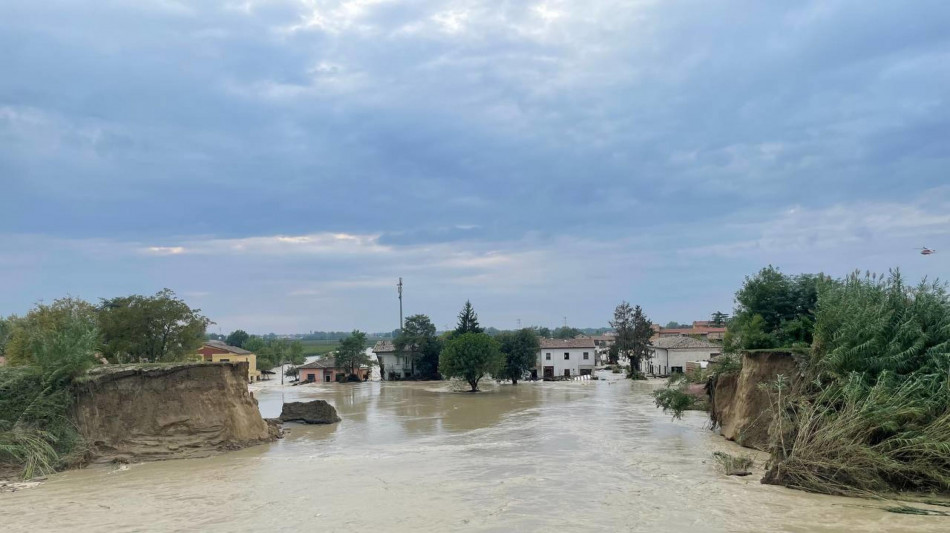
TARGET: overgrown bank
(865,408)
(871,412)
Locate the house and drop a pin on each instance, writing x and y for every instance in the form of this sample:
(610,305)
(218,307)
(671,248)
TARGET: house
(605,341)
(392,366)
(566,357)
(325,370)
(670,354)
(220,352)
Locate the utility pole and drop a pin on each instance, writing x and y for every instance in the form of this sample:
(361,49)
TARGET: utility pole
(399,286)
(519,323)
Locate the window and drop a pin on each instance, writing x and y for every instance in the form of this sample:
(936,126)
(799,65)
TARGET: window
(224,360)
(586,355)
(547,356)
(567,356)
(567,372)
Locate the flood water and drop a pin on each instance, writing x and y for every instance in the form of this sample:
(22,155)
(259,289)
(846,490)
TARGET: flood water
(420,457)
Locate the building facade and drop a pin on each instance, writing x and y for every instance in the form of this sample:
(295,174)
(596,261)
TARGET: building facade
(325,370)
(566,358)
(671,354)
(220,352)
(392,366)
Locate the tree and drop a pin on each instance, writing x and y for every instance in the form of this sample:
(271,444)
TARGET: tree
(623,326)
(640,341)
(544,333)
(521,352)
(237,338)
(417,341)
(565,332)
(254,344)
(468,320)
(470,356)
(43,320)
(676,325)
(785,307)
(351,354)
(6,328)
(295,353)
(150,328)
(718,319)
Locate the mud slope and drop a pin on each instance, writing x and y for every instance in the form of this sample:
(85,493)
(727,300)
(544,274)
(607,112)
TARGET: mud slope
(169,411)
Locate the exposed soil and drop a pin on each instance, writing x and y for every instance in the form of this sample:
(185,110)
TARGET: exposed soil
(141,413)
(740,407)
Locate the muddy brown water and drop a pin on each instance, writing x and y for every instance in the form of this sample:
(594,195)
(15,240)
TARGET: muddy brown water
(420,457)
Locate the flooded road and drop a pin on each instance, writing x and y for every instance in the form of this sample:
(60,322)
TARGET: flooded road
(419,457)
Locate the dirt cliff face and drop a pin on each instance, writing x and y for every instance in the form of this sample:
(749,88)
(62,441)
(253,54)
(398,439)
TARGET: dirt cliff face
(165,412)
(740,407)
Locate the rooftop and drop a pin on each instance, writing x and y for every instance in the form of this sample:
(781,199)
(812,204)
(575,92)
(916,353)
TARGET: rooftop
(673,343)
(323,362)
(224,346)
(552,344)
(384,347)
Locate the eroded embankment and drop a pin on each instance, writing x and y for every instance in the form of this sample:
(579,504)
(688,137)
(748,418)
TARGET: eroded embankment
(740,407)
(166,412)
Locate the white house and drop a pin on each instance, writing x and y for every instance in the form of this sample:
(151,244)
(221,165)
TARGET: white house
(392,366)
(566,357)
(670,354)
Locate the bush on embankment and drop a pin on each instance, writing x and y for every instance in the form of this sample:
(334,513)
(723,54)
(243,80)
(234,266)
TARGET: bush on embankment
(36,433)
(872,411)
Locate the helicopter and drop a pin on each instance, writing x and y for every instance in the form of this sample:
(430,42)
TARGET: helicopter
(927,251)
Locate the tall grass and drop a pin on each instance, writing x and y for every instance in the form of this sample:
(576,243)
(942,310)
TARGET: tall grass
(873,412)
(36,433)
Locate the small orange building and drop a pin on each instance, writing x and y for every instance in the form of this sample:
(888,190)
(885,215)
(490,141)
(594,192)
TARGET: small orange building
(324,370)
(219,352)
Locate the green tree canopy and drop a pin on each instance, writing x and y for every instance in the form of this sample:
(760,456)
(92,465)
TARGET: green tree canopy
(418,340)
(295,353)
(468,320)
(640,341)
(150,328)
(718,319)
(785,306)
(623,327)
(566,332)
(237,338)
(43,320)
(520,349)
(470,356)
(351,355)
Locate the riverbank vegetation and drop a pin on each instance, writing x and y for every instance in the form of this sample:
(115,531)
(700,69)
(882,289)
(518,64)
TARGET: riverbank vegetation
(868,410)
(50,347)
(871,411)
(37,435)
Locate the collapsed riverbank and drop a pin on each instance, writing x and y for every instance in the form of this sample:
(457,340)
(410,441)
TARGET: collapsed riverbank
(134,413)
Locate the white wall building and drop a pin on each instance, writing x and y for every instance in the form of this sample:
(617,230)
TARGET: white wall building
(670,354)
(566,357)
(392,366)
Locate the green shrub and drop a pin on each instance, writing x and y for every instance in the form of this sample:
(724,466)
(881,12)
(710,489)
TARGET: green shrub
(36,433)
(872,413)
(674,399)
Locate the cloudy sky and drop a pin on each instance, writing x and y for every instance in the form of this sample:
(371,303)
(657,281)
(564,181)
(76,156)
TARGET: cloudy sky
(280,163)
